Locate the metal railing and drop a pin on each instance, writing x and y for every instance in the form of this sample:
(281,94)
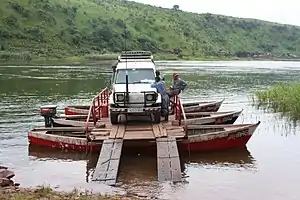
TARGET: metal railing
(98,108)
(179,113)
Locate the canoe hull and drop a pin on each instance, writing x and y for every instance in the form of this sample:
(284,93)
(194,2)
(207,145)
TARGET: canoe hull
(212,118)
(74,110)
(209,121)
(235,138)
(217,144)
(210,106)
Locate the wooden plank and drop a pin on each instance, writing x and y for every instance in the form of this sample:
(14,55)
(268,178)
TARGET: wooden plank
(173,150)
(101,133)
(107,167)
(168,161)
(99,137)
(170,127)
(156,131)
(103,161)
(121,131)
(112,171)
(66,129)
(113,131)
(70,122)
(135,128)
(177,134)
(162,148)
(72,116)
(163,130)
(164,172)
(175,169)
(117,149)
(134,135)
(101,129)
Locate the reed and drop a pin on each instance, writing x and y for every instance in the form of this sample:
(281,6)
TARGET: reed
(282,97)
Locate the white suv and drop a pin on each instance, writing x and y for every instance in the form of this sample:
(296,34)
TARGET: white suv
(132,93)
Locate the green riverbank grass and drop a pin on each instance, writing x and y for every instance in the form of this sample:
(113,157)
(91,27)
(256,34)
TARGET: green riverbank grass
(282,97)
(23,59)
(89,59)
(46,193)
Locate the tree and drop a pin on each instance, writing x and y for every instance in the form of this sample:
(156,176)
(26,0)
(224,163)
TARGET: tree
(176,7)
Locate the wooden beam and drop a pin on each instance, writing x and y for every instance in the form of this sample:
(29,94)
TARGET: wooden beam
(113,131)
(66,129)
(156,131)
(168,161)
(107,167)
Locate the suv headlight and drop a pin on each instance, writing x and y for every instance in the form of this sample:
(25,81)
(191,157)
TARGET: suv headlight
(119,97)
(151,96)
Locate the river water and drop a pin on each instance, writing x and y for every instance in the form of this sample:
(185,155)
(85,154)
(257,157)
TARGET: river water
(268,168)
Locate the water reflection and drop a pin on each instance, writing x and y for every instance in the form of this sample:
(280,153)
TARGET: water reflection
(233,158)
(137,169)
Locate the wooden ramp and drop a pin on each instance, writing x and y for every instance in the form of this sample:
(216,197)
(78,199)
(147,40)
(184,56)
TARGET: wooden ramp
(108,162)
(168,161)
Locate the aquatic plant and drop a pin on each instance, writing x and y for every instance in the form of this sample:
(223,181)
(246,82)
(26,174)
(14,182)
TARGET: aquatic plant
(281,97)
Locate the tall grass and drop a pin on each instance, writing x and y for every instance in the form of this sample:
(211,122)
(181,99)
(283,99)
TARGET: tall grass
(282,97)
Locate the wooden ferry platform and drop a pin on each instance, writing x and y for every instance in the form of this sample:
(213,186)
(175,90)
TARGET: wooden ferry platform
(113,136)
(96,133)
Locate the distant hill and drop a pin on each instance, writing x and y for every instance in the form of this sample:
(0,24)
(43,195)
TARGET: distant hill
(60,28)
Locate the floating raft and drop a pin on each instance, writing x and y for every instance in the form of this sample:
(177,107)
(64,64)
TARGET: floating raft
(168,160)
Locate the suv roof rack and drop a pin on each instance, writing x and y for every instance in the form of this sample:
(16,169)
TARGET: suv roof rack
(135,55)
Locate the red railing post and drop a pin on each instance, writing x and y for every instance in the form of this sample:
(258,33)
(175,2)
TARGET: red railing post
(179,111)
(175,106)
(94,111)
(106,95)
(99,108)
(101,100)
(180,114)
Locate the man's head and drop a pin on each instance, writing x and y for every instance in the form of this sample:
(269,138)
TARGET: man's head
(157,73)
(157,79)
(175,76)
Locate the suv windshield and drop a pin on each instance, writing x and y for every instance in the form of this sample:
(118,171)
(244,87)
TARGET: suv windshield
(135,76)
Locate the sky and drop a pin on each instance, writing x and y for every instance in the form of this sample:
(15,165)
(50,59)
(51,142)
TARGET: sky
(286,12)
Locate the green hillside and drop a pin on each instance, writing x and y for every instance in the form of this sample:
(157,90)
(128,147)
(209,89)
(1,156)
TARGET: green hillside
(64,28)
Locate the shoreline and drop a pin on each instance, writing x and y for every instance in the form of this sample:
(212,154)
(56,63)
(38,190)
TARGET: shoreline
(45,192)
(96,59)
(9,189)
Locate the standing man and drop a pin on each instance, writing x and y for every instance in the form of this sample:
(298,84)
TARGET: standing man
(161,88)
(178,85)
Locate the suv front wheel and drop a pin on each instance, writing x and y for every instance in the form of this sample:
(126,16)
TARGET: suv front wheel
(114,118)
(157,116)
